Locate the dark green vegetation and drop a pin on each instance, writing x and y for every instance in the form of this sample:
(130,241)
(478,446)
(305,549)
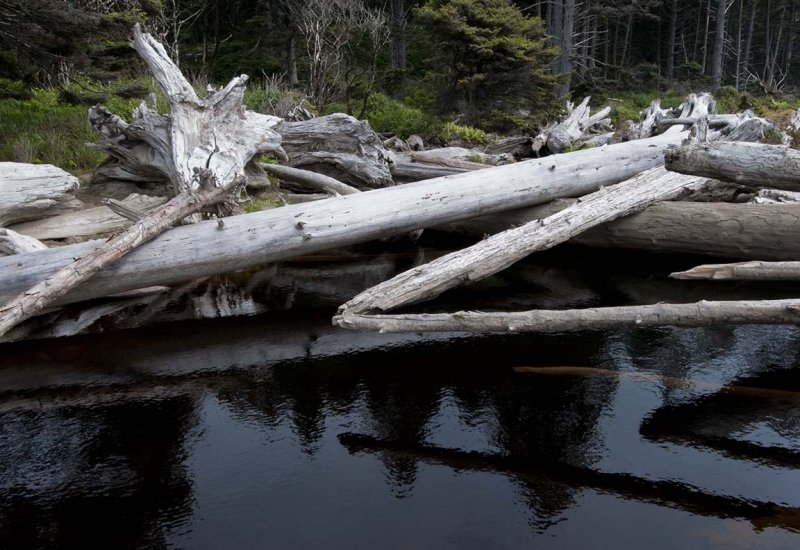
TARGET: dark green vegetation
(449,70)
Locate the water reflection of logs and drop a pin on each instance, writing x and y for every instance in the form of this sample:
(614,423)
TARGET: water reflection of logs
(669,493)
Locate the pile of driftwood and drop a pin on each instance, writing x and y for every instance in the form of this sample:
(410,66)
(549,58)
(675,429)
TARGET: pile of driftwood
(683,180)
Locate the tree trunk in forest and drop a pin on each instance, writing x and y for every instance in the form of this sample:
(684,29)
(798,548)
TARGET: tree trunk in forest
(719,46)
(756,164)
(504,249)
(33,191)
(398,33)
(673,26)
(745,68)
(725,230)
(743,271)
(253,239)
(565,68)
(780,312)
(291,60)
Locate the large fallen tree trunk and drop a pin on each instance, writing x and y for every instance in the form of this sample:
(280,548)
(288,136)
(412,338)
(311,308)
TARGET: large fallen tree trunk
(756,164)
(33,191)
(743,271)
(698,314)
(503,249)
(211,141)
(253,239)
(725,230)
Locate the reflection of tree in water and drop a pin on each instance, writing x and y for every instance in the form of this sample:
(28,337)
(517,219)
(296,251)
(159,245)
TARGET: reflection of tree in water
(719,420)
(550,419)
(111,474)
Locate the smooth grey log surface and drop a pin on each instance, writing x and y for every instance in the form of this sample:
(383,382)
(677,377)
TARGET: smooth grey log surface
(33,191)
(758,164)
(85,223)
(205,248)
(311,180)
(595,318)
(723,230)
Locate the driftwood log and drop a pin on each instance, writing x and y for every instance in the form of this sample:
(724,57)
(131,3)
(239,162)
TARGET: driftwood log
(724,230)
(756,164)
(89,222)
(12,243)
(249,240)
(211,141)
(681,315)
(503,249)
(308,179)
(743,271)
(577,127)
(33,191)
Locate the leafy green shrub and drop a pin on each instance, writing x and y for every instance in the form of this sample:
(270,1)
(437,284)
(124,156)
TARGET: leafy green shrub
(451,130)
(13,89)
(389,116)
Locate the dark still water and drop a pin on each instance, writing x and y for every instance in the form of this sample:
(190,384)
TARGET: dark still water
(280,431)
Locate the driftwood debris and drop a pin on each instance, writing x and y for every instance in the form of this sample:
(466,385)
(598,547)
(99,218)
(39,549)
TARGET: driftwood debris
(33,191)
(308,179)
(577,127)
(249,240)
(775,196)
(743,271)
(683,315)
(756,164)
(211,141)
(503,249)
(89,222)
(12,243)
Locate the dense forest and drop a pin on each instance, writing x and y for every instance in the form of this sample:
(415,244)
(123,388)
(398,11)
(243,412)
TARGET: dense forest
(406,65)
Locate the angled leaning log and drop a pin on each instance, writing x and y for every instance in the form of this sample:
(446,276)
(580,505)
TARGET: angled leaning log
(499,251)
(211,141)
(250,240)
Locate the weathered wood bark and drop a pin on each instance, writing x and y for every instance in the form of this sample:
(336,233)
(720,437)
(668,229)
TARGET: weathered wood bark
(86,223)
(34,191)
(757,164)
(504,249)
(12,243)
(461,157)
(698,314)
(311,180)
(578,126)
(693,108)
(404,169)
(339,146)
(743,271)
(253,239)
(212,139)
(775,196)
(724,230)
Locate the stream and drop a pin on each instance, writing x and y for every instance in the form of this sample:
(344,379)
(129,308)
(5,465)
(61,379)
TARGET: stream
(229,413)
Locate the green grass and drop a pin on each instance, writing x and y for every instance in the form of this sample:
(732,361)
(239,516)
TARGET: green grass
(451,131)
(43,130)
(627,105)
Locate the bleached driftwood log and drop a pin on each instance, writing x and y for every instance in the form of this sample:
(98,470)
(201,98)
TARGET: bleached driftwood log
(577,126)
(33,191)
(457,156)
(698,314)
(89,222)
(743,271)
(693,108)
(498,252)
(253,239)
(310,180)
(404,169)
(756,164)
(12,243)
(725,230)
(211,139)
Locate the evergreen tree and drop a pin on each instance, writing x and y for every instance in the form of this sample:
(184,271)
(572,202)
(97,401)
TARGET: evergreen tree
(489,58)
